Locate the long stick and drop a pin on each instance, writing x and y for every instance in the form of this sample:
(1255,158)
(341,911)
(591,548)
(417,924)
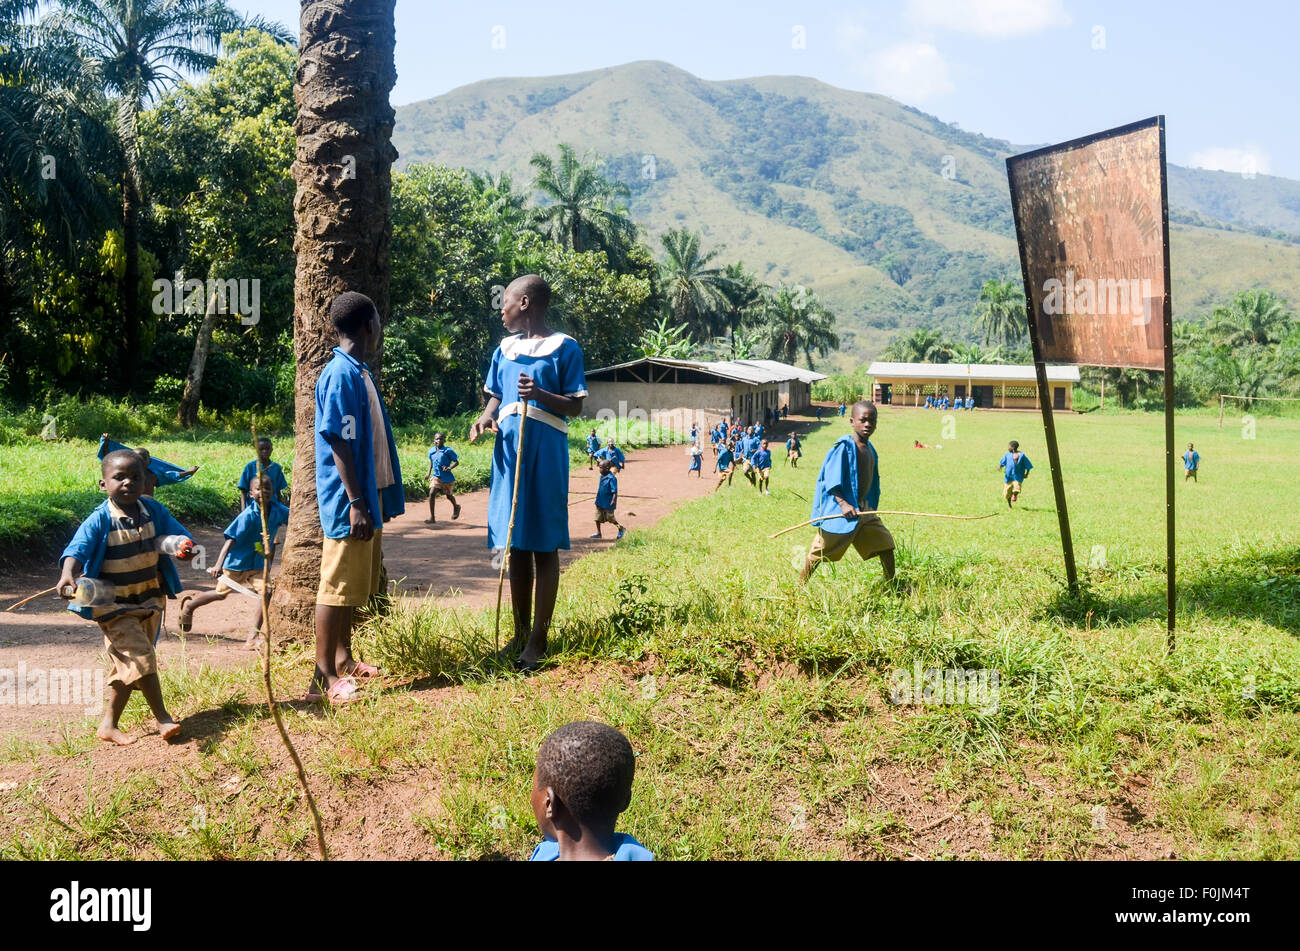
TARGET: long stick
(19,604)
(964,518)
(510,527)
(268,552)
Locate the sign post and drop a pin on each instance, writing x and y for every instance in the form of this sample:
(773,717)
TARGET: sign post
(1092,220)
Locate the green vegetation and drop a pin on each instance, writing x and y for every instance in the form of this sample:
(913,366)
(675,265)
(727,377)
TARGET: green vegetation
(761,711)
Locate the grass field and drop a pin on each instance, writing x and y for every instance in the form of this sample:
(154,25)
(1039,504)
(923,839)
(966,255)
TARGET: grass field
(764,714)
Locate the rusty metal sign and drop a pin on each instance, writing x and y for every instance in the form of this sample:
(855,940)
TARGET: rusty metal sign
(1093,225)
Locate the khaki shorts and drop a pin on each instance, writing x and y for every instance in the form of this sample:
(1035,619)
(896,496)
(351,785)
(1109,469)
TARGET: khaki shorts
(1011,488)
(349,571)
(128,640)
(605,515)
(869,538)
(437,487)
(251,579)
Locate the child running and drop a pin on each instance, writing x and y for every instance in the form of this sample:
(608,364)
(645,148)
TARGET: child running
(697,460)
(761,464)
(240,559)
(1015,466)
(121,546)
(593,447)
(726,465)
(270,469)
(538,371)
(606,499)
(441,481)
(582,783)
(847,495)
(793,451)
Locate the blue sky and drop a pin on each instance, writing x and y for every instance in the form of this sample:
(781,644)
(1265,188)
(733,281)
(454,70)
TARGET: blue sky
(1031,71)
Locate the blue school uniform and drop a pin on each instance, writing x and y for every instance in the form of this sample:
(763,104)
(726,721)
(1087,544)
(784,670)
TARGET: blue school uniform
(164,472)
(696,458)
(271,470)
(1191,460)
(1015,470)
(629,850)
(440,459)
(725,459)
(715,437)
(245,532)
(606,491)
(542,516)
(614,455)
(90,546)
(839,475)
(762,459)
(343,410)
(593,445)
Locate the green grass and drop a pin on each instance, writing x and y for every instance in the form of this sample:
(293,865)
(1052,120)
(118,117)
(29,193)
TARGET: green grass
(761,710)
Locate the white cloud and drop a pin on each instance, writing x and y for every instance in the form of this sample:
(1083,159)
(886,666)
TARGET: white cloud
(995,19)
(910,72)
(1247,160)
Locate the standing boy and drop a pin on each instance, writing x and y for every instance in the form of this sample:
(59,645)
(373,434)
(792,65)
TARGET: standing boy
(607,499)
(793,451)
(119,544)
(270,470)
(761,462)
(540,372)
(358,488)
(1015,466)
(1191,462)
(441,481)
(847,495)
(593,447)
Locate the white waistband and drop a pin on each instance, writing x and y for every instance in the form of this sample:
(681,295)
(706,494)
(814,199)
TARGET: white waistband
(534,412)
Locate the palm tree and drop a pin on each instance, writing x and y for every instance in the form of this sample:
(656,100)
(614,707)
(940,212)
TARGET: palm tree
(744,305)
(794,321)
(920,346)
(583,211)
(1000,313)
(137,49)
(344,226)
(663,340)
(695,294)
(1253,317)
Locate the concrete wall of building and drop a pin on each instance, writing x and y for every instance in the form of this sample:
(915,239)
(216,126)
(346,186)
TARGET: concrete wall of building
(668,404)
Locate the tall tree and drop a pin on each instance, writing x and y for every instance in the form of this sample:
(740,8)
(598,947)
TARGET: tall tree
(138,49)
(795,322)
(695,293)
(343,171)
(922,345)
(584,209)
(1000,313)
(1253,317)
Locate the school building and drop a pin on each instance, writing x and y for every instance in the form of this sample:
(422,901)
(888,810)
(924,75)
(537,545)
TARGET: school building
(677,392)
(993,385)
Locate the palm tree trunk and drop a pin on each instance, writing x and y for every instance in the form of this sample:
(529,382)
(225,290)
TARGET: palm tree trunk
(342,211)
(131,275)
(188,412)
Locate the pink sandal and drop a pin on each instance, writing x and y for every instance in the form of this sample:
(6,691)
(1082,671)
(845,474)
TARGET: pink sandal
(345,690)
(363,671)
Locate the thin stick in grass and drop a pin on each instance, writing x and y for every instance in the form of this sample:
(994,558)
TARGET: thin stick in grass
(267,552)
(510,526)
(811,521)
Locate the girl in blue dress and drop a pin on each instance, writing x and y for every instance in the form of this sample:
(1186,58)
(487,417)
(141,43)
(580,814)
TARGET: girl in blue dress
(541,370)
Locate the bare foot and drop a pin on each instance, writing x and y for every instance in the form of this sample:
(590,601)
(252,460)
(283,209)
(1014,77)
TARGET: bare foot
(111,734)
(169,729)
(430,521)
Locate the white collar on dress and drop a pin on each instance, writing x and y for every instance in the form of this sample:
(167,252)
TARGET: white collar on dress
(516,345)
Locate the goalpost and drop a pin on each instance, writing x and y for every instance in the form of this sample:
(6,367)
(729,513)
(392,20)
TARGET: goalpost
(1266,399)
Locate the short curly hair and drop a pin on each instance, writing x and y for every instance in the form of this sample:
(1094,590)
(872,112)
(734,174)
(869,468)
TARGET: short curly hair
(590,767)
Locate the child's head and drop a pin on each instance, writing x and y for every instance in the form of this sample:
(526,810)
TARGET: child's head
(355,318)
(606,466)
(1013,446)
(525,302)
(593,432)
(121,476)
(863,419)
(610,443)
(143,455)
(438,440)
(264,450)
(1189,447)
(764,443)
(583,780)
(260,488)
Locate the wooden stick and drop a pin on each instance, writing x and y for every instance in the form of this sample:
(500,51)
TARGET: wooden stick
(510,527)
(884,512)
(576,501)
(19,604)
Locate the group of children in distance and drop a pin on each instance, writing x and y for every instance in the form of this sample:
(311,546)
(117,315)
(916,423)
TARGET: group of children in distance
(942,402)
(735,448)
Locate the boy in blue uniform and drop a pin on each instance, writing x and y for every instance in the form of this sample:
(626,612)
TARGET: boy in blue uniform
(726,465)
(847,495)
(156,472)
(613,455)
(761,463)
(240,559)
(441,480)
(1191,462)
(793,451)
(715,437)
(606,499)
(1015,466)
(593,447)
(538,371)
(582,782)
(358,488)
(270,470)
(119,543)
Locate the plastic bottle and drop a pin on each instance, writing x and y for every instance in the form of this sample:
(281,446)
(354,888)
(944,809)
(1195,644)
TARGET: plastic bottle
(177,545)
(94,592)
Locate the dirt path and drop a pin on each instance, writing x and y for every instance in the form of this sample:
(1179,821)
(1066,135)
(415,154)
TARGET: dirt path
(448,561)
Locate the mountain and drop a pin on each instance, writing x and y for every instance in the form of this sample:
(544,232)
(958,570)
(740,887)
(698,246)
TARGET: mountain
(893,217)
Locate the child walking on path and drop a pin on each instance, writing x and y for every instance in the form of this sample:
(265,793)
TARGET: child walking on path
(540,372)
(441,481)
(119,549)
(607,499)
(847,494)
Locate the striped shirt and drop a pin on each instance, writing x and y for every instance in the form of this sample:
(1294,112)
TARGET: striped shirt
(131,564)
